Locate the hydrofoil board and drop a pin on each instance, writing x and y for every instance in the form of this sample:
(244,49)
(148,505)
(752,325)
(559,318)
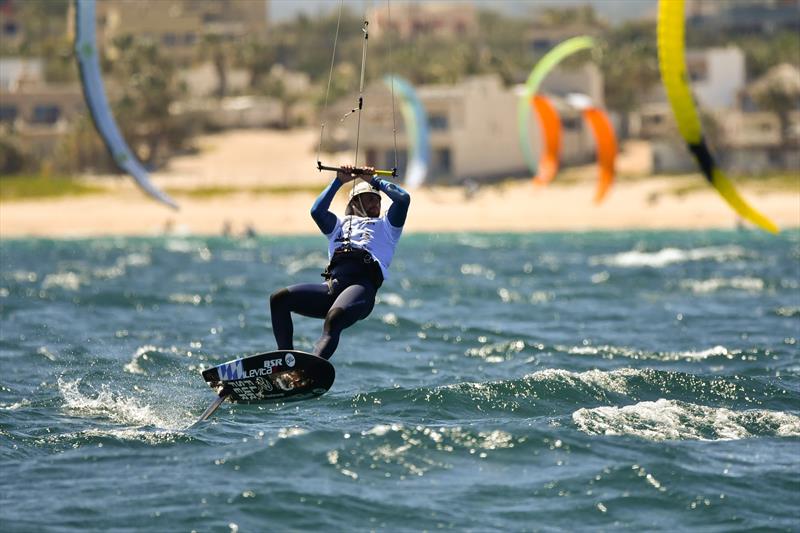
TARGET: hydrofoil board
(282,375)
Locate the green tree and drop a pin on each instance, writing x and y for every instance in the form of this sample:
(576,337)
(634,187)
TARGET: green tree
(215,48)
(629,63)
(148,85)
(779,100)
(258,56)
(275,87)
(559,16)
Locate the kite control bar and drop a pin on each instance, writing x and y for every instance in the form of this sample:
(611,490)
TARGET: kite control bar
(357,171)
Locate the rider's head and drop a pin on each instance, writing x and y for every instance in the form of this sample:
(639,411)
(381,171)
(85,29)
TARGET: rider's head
(365,201)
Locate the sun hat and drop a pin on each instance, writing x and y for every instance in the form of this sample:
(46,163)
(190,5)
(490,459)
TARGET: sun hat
(362,187)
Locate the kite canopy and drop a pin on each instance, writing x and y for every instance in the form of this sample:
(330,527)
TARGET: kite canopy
(550,126)
(537,75)
(416,124)
(602,130)
(96,101)
(672,64)
(606,146)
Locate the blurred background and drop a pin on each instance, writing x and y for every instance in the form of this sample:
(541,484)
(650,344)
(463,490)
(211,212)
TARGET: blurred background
(226,96)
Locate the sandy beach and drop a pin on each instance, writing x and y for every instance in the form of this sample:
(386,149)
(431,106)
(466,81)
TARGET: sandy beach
(250,161)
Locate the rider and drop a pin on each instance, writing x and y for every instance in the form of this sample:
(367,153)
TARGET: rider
(360,250)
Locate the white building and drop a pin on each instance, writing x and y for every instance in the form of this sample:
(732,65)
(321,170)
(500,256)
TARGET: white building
(717,76)
(472,125)
(19,70)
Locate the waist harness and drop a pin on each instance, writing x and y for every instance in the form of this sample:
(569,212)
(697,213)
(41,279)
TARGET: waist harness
(354,261)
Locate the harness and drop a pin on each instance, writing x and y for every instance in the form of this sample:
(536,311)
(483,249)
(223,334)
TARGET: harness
(350,261)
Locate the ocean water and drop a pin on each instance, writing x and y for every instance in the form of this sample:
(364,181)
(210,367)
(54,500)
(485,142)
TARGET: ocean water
(540,382)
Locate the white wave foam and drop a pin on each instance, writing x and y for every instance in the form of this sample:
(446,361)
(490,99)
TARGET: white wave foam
(699,355)
(391,299)
(66,280)
(610,352)
(313,260)
(475,269)
(675,420)
(668,256)
(115,407)
(16,405)
(192,299)
(180,246)
(614,381)
(714,284)
(497,352)
(23,276)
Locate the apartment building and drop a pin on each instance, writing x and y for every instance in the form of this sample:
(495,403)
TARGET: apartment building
(179,25)
(38,113)
(439,19)
(472,128)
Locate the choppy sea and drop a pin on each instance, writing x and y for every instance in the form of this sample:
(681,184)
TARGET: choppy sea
(538,382)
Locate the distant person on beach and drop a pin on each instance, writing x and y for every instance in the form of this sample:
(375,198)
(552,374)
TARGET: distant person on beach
(360,250)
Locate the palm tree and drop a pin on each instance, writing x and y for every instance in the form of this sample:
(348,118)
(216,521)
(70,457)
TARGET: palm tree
(258,57)
(216,49)
(779,92)
(148,85)
(629,62)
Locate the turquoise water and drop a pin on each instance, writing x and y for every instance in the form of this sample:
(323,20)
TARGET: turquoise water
(503,382)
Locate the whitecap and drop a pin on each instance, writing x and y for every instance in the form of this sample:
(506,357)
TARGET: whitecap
(610,352)
(676,420)
(614,381)
(22,276)
(313,260)
(667,256)
(475,269)
(390,298)
(107,404)
(715,284)
(66,280)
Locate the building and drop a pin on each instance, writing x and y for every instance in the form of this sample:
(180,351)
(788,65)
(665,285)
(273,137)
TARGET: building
(38,114)
(17,71)
(472,125)
(179,25)
(717,76)
(439,19)
(743,16)
(10,30)
(746,139)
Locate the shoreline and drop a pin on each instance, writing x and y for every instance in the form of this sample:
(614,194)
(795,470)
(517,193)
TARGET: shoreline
(512,207)
(251,165)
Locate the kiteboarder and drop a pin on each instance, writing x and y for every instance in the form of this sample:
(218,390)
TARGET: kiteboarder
(360,250)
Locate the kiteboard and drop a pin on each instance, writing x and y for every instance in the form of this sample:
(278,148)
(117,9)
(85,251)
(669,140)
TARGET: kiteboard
(282,375)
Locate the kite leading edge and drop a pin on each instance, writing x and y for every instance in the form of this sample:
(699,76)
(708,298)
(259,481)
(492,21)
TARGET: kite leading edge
(672,64)
(96,101)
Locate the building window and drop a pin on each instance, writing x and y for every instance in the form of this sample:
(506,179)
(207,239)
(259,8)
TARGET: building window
(8,113)
(442,161)
(10,29)
(169,39)
(654,120)
(46,114)
(697,69)
(189,39)
(438,122)
(570,124)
